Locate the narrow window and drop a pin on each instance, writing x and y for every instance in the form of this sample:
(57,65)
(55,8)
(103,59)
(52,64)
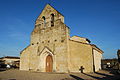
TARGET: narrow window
(44,21)
(52,19)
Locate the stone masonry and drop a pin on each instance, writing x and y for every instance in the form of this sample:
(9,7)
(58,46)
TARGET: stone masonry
(51,37)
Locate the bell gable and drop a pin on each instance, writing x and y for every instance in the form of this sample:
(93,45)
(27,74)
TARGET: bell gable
(48,16)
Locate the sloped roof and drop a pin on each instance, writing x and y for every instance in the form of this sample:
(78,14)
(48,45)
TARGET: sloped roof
(25,49)
(51,7)
(92,45)
(11,57)
(95,47)
(79,38)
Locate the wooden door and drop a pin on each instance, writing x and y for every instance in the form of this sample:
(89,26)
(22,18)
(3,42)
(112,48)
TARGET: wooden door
(49,63)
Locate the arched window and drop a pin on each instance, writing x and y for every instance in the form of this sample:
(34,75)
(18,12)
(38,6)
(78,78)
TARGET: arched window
(52,19)
(44,20)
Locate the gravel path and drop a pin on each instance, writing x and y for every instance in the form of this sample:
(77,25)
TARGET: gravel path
(30,75)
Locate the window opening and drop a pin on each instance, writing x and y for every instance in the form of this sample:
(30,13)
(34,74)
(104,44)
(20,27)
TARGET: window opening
(52,19)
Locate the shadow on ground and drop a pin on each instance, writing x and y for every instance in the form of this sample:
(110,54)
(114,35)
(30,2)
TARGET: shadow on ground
(76,77)
(104,76)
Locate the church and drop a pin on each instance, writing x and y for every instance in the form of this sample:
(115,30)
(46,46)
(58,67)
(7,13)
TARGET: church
(51,48)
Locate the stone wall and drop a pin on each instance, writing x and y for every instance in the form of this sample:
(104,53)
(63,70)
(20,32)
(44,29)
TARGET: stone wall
(49,38)
(24,59)
(80,55)
(68,54)
(97,59)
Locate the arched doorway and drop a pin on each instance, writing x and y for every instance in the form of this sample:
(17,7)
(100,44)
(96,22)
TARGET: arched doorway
(49,63)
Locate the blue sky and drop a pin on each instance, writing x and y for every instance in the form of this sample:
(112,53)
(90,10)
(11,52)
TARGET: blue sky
(97,20)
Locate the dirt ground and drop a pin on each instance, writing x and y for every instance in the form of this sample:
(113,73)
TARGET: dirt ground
(31,75)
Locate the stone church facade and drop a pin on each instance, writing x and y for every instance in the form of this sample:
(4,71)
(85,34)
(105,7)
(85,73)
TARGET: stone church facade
(52,49)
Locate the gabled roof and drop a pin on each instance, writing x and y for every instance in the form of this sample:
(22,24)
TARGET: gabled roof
(96,48)
(48,5)
(54,8)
